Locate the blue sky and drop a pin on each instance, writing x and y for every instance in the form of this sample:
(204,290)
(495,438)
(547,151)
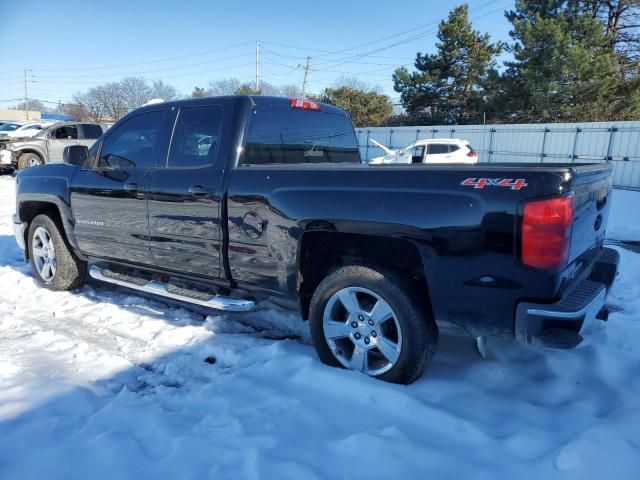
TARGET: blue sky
(67,45)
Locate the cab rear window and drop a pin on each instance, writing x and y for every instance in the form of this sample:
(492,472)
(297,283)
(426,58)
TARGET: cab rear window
(282,135)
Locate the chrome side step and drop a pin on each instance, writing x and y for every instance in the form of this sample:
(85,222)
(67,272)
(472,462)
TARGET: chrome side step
(218,302)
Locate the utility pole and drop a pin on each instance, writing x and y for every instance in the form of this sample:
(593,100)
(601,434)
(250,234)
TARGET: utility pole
(26,97)
(257,66)
(304,81)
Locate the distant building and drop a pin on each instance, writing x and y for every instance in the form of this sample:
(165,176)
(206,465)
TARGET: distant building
(19,115)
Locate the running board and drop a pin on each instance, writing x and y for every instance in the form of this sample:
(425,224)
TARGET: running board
(171,291)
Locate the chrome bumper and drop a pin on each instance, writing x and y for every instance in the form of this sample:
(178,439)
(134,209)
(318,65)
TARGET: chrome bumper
(18,230)
(561,324)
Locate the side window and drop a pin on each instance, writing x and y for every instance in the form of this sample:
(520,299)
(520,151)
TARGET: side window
(91,131)
(195,137)
(453,148)
(132,143)
(278,135)
(437,148)
(65,133)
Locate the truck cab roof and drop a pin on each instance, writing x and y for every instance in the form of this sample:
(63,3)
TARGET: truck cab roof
(255,100)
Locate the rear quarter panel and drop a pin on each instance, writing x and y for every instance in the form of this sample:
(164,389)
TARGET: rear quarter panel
(463,233)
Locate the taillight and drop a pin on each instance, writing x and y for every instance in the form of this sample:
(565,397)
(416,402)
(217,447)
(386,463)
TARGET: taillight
(304,104)
(546,232)
(472,154)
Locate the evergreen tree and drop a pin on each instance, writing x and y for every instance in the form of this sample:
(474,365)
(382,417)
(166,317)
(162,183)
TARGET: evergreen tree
(367,109)
(564,67)
(449,85)
(199,92)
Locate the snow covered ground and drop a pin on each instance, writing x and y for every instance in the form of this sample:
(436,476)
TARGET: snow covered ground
(103,383)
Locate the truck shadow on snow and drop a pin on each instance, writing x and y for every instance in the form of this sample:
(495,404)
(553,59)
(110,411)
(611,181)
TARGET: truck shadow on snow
(229,402)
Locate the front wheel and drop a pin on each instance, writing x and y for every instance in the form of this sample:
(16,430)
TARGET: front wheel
(363,319)
(53,262)
(29,160)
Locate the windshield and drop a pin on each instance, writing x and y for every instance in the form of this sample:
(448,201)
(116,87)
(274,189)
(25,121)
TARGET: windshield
(9,127)
(406,150)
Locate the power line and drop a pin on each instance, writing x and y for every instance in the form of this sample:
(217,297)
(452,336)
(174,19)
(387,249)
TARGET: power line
(163,77)
(410,39)
(324,53)
(302,57)
(104,75)
(205,52)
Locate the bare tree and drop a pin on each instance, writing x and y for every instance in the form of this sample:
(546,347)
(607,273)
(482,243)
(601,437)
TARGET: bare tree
(355,83)
(110,97)
(621,20)
(162,90)
(91,104)
(291,91)
(113,100)
(134,92)
(36,105)
(78,111)
(267,89)
(227,86)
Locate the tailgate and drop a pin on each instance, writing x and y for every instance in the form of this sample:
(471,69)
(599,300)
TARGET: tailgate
(592,186)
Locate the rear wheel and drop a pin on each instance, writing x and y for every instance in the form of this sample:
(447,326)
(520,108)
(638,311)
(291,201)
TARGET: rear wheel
(53,262)
(29,160)
(365,319)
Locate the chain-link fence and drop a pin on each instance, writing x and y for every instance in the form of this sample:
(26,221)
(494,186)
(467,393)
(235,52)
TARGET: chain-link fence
(615,142)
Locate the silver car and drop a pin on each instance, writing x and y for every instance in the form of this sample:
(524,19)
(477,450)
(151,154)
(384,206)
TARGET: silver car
(47,145)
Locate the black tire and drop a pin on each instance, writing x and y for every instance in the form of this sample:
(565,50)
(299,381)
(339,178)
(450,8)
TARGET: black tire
(70,271)
(418,329)
(29,160)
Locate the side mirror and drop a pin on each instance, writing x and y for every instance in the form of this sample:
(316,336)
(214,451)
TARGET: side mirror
(75,154)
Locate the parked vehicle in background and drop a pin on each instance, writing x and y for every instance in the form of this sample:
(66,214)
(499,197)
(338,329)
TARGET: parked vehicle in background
(22,129)
(222,202)
(47,145)
(434,150)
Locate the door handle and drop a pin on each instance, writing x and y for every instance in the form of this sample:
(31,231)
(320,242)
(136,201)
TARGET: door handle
(198,191)
(133,187)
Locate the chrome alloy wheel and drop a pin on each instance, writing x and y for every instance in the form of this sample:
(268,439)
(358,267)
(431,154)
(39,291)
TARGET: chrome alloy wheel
(362,330)
(34,162)
(44,254)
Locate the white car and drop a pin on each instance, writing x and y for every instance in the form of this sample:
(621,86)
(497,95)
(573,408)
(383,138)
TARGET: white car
(431,151)
(22,130)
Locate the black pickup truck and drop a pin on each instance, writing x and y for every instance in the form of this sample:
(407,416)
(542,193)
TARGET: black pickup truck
(225,201)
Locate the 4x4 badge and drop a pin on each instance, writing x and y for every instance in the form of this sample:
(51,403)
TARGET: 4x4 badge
(514,184)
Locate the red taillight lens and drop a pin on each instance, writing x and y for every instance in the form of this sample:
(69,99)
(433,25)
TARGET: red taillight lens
(546,232)
(304,104)
(472,154)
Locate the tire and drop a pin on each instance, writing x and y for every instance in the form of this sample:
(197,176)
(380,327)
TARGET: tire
(408,336)
(46,242)
(29,160)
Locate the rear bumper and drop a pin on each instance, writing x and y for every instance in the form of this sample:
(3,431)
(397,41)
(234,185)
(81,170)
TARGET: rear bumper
(560,324)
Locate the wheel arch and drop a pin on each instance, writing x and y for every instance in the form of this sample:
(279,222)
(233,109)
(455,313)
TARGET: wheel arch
(321,252)
(33,150)
(28,209)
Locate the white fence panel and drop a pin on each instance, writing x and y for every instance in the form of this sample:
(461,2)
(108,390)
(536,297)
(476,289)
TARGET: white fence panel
(615,142)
